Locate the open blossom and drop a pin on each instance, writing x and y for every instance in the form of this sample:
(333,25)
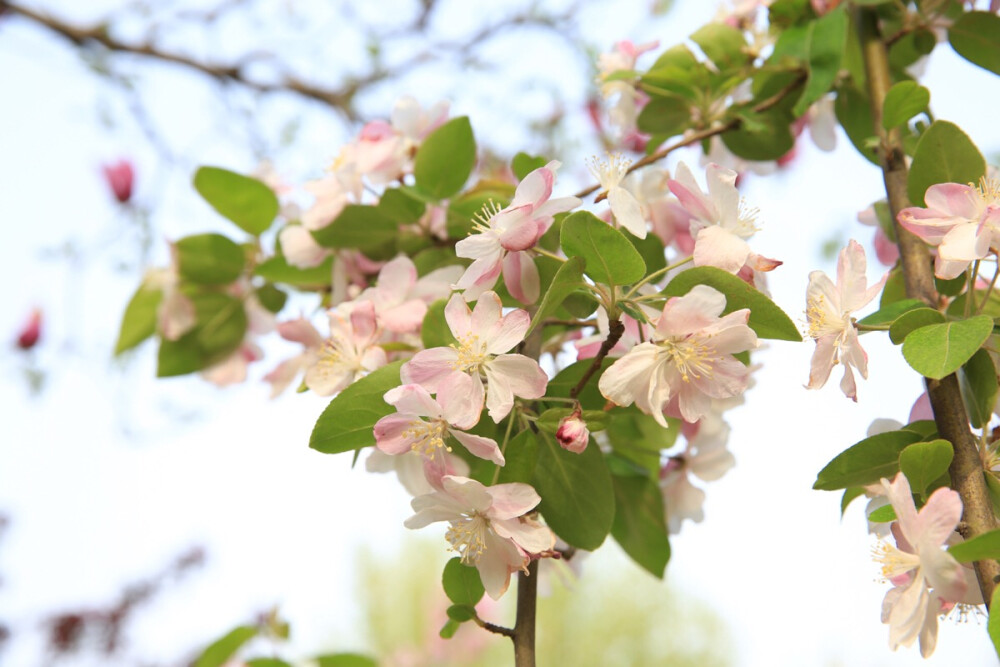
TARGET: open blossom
(687,362)
(455,410)
(963,221)
(503,236)
(349,353)
(401,298)
(484,335)
(410,469)
(488,528)
(624,205)
(925,577)
(721,222)
(624,98)
(828,310)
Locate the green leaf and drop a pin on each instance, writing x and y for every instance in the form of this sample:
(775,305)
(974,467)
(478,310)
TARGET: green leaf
(348,420)
(639,526)
(925,462)
(993,623)
(667,116)
(461,583)
(224,648)
(850,493)
(445,159)
(449,629)
(638,438)
(651,250)
(866,462)
(944,154)
(974,36)
(523,164)
(435,331)
(940,349)
(912,320)
(567,278)
(221,324)
(277,270)
(358,226)
(854,115)
(952,287)
(244,200)
(401,207)
(981,547)
(723,44)
(562,384)
(826,40)
(978,381)
(209,259)
(883,514)
(578,501)
(892,311)
(894,290)
(460,613)
(766,318)
(271,297)
(521,459)
(139,320)
(904,101)
(761,136)
(344,660)
(610,258)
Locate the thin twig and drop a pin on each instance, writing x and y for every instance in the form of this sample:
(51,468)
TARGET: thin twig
(707,133)
(615,331)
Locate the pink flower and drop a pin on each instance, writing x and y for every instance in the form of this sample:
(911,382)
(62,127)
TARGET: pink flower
(483,337)
(505,234)
(298,331)
(828,310)
(705,457)
(401,299)
(455,410)
(488,528)
(687,362)
(623,98)
(721,221)
(410,469)
(924,576)
(349,353)
(330,200)
(120,176)
(31,332)
(962,220)
(572,433)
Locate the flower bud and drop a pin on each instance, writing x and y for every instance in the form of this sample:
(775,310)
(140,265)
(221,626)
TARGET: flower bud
(28,337)
(119,177)
(572,433)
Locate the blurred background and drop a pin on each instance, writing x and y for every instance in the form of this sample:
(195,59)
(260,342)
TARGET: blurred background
(142,519)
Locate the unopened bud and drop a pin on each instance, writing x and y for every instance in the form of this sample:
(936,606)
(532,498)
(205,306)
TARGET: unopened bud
(572,433)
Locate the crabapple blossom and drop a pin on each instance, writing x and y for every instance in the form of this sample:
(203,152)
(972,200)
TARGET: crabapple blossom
(624,205)
(120,177)
(350,352)
(705,457)
(924,576)
(688,360)
(455,410)
(572,433)
(31,332)
(963,221)
(505,234)
(484,335)
(624,98)
(411,469)
(300,331)
(488,528)
(828,311)
(720,221)
(401,298)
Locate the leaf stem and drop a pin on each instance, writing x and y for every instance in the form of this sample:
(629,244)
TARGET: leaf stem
(656,274)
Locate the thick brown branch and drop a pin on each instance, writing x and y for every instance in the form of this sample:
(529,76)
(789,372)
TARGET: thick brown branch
(946,400)
(707,133)
(527,607)
(615,331)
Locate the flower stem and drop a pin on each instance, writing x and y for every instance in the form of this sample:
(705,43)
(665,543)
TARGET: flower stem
(989,290)
(656,274)
(503,447)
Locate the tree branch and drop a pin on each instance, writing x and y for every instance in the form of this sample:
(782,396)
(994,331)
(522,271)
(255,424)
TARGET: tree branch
(946,400)
(527,607)
(615,331)
(706,133)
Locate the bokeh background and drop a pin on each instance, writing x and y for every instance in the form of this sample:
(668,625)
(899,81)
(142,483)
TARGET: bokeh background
(142,519)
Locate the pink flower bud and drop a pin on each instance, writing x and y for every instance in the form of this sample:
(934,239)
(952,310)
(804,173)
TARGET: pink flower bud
(572,433)
(31,332)
(119,177)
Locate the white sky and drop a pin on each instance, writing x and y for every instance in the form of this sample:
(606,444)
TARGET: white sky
(107,474)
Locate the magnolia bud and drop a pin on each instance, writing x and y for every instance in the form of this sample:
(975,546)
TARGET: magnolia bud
(572,433)
(119,177)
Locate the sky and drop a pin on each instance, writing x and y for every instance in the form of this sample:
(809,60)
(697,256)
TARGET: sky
(107,473)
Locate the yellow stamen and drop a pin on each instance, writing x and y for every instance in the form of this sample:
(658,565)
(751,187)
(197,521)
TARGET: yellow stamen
(428,437)
(471,354)
(467,537)
(692,357)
